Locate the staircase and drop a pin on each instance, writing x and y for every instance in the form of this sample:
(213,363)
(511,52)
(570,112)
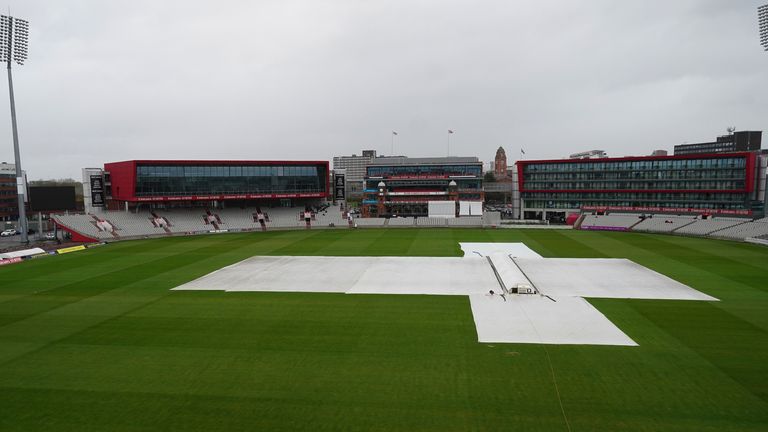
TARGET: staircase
(578,222)
(729,227)
(683,226)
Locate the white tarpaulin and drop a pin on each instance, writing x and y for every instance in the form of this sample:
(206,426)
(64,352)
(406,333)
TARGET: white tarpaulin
(444,209)
(559,315)
(470,208)
(509,273)
(21,253)
(538,319)
(604,278)
(352,275)
(475,208)
(479,250)
(464,208)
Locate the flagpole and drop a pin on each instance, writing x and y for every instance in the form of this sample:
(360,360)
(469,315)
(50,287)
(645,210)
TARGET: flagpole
(392,149)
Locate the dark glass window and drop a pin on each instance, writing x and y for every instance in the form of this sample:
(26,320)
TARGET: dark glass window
(727,173)
(425,170)
(183,180)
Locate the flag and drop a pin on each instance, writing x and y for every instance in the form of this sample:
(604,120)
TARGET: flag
(394,133)
(450,131)
(522,151)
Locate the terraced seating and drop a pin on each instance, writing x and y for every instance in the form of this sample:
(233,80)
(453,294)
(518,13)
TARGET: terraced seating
(663,223)
(702,227)
(330,216)
(83,224)
(185,221)
(401,221)
(610,221)
(466,221)
(431,221)
(122,226)
(756,229)
(370,222)
(112,225)
(492,218)
(238,219)
(284,218)
(132,224)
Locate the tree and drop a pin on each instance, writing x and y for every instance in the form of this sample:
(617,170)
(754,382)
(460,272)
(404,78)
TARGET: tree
(489,177)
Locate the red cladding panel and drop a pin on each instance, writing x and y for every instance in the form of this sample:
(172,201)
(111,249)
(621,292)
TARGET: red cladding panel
(751,166)
(123,178)
(76,236)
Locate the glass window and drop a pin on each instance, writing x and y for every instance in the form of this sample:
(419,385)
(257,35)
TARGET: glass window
(221,179)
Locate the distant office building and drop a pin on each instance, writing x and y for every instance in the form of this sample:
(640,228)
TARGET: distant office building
(354,167)
(660,153)
(399,186)
(355,171)
(500,163)
(9,197)
(591,154)
(736,142)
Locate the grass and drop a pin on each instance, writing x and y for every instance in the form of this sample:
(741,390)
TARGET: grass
(95,341)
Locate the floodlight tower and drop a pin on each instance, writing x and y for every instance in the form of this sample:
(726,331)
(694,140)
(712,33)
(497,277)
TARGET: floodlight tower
(14,33)
(762,17)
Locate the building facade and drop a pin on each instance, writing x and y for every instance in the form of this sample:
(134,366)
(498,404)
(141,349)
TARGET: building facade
(406,186)
(354,167)
(94,189)
(500,163)
(186,182)
(741,141)
(713,183)
(9,197)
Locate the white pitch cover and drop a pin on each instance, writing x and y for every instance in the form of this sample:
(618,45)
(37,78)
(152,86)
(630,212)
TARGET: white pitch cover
(559,315)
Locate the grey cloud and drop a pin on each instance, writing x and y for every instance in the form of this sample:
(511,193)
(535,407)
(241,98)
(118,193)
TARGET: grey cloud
(300,79)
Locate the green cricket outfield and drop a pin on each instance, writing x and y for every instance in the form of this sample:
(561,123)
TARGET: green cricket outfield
(97,341)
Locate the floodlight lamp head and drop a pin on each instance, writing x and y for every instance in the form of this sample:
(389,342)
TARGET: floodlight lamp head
(762,17)
(14,34)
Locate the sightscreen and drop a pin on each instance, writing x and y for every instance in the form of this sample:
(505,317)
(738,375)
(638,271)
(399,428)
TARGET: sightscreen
(50,198)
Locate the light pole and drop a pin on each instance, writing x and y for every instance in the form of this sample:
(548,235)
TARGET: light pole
(14,33)
(392,149)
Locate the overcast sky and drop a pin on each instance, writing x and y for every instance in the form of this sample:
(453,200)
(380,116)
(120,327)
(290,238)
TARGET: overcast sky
(150,79)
